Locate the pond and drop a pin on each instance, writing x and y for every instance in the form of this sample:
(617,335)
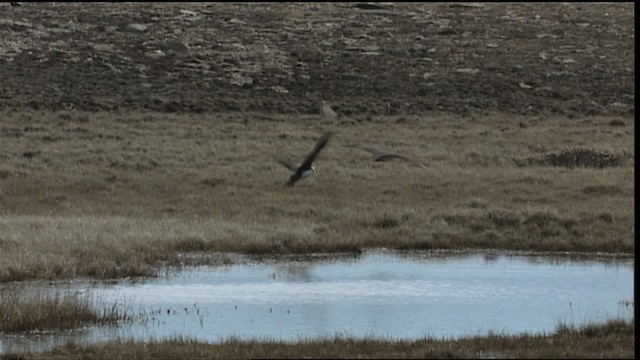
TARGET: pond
(380,294)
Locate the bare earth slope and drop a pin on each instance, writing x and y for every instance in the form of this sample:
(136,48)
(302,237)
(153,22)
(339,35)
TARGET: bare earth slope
(563,58)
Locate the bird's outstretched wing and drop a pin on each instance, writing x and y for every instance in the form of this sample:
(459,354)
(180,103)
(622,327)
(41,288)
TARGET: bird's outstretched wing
(286,163)
(295,177)
(376,153)
(281,160)
(379,155)
(306,164)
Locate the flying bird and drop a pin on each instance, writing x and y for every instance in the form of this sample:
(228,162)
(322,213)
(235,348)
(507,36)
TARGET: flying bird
(305,169)
(379,155)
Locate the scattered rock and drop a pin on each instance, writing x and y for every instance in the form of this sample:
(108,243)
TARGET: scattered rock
(620,107)
(466,5)
(280,89)
(177,48)
(155,54)
(364,49)
(326,110)
(543,55)
(447,31)
(361,52)
(136,28)
(189,15)
(235,21)
(374,6)
(467,71)
(239,80)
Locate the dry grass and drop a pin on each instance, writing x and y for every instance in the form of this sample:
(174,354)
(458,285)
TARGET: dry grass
(42,310)
(614,339)
(578,157)
(113,194)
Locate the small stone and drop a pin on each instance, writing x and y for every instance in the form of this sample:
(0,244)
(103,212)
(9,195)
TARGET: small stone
(468,71)
(237,22)
(326,110)
(137,28)
(374,6)
(177,47)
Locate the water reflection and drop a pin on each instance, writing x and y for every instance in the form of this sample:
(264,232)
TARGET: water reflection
(385,294)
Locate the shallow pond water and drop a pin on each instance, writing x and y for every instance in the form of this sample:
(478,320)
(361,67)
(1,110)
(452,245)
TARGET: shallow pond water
(377,294)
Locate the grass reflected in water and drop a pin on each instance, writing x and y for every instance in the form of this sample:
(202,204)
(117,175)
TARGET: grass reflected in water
(614,339)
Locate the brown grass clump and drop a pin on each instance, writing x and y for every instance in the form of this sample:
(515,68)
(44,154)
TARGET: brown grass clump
(389,221)
(617,122)
(602,190)
(578,157)
(42,310)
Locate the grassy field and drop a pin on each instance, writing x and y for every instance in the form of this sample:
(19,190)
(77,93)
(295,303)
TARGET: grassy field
(110,195)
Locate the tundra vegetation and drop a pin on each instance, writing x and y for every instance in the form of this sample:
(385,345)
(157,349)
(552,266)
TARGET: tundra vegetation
(133,134)
(124,196)
(113,195)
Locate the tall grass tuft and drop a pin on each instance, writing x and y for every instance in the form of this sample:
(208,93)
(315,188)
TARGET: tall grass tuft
(42,310)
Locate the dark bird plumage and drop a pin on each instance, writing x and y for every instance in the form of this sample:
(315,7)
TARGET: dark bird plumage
(305,169)
(379,155)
